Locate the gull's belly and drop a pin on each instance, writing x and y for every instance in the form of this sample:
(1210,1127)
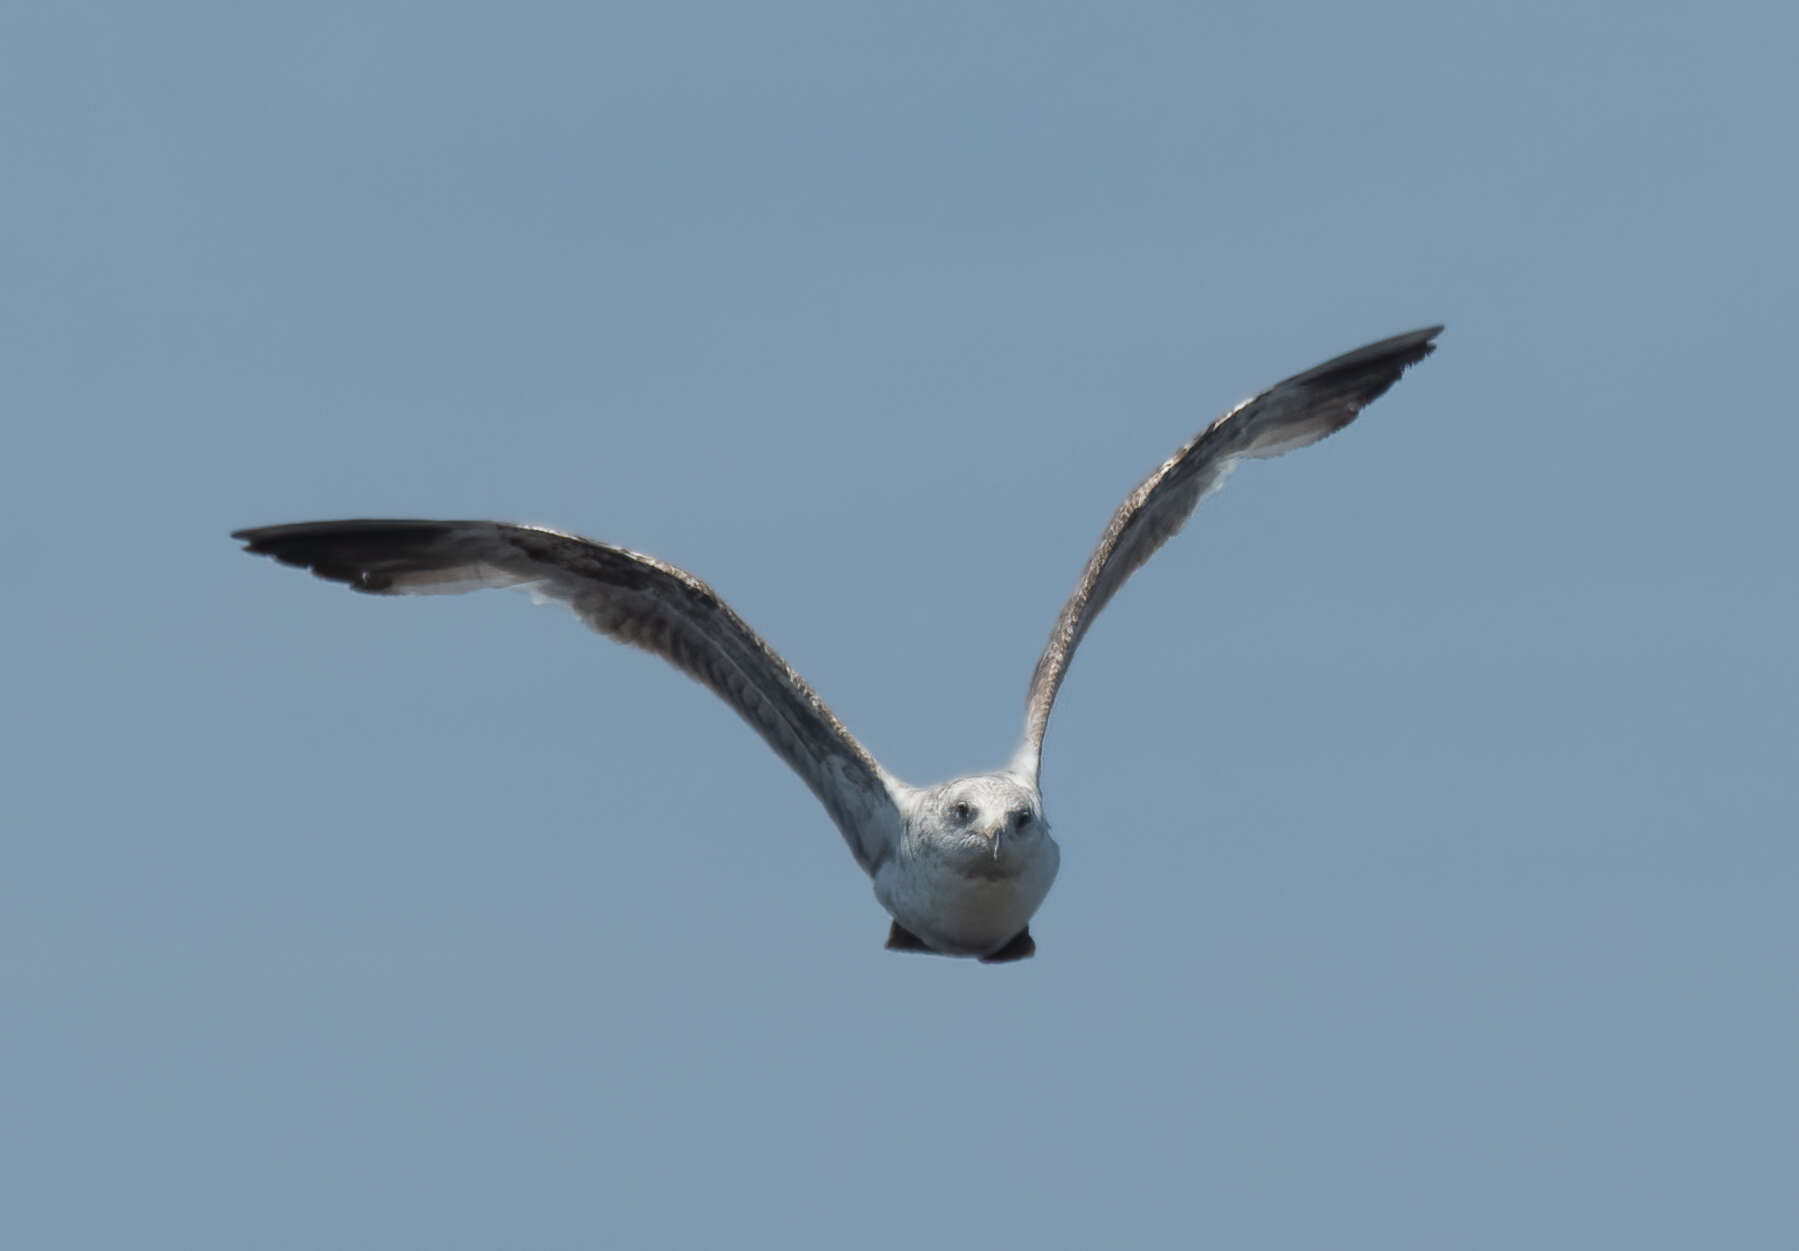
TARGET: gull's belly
(960,913)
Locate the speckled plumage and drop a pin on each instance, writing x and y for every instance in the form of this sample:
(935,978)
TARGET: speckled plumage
(961,866)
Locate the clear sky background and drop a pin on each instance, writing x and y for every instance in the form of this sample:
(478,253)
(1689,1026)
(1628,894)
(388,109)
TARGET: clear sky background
(1428,808)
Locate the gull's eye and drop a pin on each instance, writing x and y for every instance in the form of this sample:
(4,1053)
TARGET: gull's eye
(962,812)
(1021,820)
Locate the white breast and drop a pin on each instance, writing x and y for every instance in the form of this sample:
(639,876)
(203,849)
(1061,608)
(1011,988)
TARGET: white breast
(960,914)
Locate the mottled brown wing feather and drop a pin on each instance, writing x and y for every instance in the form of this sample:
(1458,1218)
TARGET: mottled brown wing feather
(1288,415)
(629,597)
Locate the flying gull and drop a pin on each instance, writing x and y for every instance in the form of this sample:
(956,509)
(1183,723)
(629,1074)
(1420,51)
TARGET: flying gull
(963,865)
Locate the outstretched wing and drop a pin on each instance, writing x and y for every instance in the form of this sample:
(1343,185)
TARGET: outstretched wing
(1290,414)
(634,599)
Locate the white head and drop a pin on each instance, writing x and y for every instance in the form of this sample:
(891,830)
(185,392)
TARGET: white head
(987,823)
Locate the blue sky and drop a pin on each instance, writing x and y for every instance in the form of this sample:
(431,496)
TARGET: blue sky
(1428,807)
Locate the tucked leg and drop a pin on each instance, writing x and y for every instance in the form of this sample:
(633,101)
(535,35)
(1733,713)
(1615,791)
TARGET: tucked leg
(1022,947)
(899,938)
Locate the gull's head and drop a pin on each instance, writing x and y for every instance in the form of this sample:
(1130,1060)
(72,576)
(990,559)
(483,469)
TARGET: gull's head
(987,823)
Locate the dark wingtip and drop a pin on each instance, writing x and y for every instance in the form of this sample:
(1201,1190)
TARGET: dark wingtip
(1422,341)
(1427,339)
(1375,366)
(278,543)
(338,551)
(252,537)
(1412,346)
(266,541)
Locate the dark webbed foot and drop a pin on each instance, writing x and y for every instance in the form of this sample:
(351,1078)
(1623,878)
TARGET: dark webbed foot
(1022,947)
(899,938)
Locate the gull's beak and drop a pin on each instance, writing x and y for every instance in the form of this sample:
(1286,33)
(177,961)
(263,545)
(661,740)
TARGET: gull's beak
(999,832)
